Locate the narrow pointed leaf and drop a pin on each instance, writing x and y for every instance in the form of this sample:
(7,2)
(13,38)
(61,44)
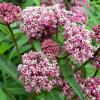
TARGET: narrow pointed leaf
(37,45)
(69,77)
(2,95)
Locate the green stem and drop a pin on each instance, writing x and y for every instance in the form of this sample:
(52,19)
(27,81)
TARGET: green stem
(64,97)
(95,73)
(15,42)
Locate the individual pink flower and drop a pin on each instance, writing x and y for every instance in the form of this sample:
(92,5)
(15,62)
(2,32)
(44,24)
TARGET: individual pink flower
(96,29)
(50,48)
(37,72)
(9,12)
(78,43)
(79,14)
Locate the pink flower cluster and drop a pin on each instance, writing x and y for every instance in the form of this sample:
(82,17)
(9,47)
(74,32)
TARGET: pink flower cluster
(67,90)
(78,43)
(79,14)
(50,48)
(9,12)
(92,88)
(38,72)
(53,2)
(96,29)
(43,21)
(89,86)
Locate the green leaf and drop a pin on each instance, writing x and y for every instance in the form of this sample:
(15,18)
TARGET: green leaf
(57,95)
(4,47)
(22,41)
(90,70)
(8,68)
(60,36)
(28,3)
(4,29)
(37,45)
(69,77)
(37,2)
(16,90)
(2,95)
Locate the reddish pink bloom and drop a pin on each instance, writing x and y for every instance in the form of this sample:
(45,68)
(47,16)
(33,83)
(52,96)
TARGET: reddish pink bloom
(78,43)
(38,72)
(50,48)
(89,86)
(9,12)
(79,14)
(92,88)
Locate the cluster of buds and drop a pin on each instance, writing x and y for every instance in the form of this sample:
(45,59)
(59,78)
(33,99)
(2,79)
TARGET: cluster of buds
(50,48)
(9,13)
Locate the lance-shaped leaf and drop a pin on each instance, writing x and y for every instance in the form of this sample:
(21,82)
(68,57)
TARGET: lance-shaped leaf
(69,77)
(37,45)
(2,95)
(8,68)
(37,2)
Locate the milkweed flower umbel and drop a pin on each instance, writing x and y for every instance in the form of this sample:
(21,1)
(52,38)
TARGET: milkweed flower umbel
(78,43)
(38,72)
(9,12)
(43,21)
(50,48)
(38,21)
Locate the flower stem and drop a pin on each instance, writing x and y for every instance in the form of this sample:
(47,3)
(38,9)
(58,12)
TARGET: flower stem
(95,73)
(15,42)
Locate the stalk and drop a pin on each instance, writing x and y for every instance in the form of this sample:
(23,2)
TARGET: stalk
(15,42)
